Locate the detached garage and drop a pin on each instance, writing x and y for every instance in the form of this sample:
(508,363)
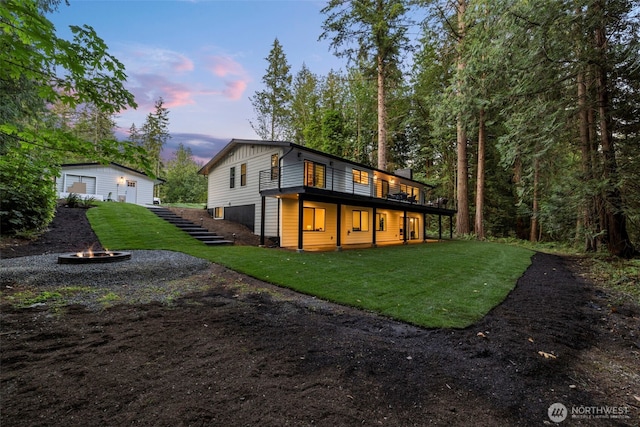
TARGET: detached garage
(106,182)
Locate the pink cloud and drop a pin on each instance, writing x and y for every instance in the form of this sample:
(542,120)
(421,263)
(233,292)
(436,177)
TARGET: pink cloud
(235,89)
(147,88)
(222,66)
(225,67)
(149,60)
(184,64)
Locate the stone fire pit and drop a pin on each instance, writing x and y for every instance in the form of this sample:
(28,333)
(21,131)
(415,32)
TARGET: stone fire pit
(97,257)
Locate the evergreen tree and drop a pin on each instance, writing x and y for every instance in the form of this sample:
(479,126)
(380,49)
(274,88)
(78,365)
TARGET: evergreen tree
(183,183)
(305,108)
(273,104)
(361,117)
(370,28)
(155,134)
(431,130)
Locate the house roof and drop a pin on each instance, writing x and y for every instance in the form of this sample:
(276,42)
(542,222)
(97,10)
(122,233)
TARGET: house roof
(235,142)
(231,145)
(117,165)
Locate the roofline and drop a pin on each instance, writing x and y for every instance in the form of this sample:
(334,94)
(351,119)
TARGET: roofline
(225,150)
(113,164)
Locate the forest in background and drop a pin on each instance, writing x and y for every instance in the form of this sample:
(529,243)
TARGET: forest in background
(524,113)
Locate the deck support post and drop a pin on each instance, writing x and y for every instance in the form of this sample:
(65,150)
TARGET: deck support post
(375,227)
(300,221)
(424,228)
(262,218)
(405,222)
(439,227)
(339,227)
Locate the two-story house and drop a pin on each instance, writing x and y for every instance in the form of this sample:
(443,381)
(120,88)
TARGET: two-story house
(306,199)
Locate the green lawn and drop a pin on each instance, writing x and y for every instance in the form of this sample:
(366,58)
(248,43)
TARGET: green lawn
(447,284)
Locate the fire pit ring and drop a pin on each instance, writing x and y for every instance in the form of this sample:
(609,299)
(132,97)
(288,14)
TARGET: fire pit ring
(97,257)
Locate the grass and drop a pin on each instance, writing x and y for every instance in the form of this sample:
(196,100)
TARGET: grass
(448,284)
(622,276)
(185,205)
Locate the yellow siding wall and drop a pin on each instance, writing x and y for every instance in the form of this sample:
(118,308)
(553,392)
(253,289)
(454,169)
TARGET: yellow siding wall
(289,224)
(349,236)
(310,238)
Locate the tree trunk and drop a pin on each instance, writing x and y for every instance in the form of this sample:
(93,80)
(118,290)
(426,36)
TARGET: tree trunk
(618,241)
(588,224)
(535,206)
(462,218)
(479,220)
(382,116)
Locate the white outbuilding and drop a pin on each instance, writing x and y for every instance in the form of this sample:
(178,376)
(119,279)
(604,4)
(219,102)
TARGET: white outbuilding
(104,182)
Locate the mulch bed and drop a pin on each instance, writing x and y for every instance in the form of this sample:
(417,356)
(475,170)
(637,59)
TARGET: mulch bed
(244,352)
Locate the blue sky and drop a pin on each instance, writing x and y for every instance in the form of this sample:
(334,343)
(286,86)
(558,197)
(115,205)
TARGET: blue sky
(205,58)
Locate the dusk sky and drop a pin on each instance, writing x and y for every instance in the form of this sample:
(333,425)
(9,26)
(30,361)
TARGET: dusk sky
(204,58)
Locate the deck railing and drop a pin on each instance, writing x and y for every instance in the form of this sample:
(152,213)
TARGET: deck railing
(327,178)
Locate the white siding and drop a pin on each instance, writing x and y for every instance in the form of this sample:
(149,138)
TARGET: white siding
(106,179)
(257,158)
(271,224)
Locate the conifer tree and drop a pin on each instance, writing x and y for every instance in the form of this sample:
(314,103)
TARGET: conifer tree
(272,104)
(364,29)
(155,134)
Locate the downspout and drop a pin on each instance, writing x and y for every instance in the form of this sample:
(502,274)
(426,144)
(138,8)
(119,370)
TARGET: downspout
(262,218)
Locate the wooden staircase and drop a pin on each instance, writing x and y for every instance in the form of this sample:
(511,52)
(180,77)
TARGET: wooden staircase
(197,232)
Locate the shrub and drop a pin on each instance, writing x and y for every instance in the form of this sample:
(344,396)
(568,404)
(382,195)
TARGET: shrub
(72,200)
(87,203)
(27,193)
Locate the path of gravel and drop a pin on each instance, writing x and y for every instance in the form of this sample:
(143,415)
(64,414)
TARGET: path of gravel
(147,276)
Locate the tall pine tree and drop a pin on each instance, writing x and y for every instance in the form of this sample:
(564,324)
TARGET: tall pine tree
(272,105)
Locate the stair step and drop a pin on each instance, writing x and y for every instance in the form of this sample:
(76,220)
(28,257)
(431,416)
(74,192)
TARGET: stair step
(187,225)
(218,242)
(197,232)
(209,237)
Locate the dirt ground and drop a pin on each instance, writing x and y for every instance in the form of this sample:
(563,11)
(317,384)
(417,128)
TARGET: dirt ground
(246,353)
